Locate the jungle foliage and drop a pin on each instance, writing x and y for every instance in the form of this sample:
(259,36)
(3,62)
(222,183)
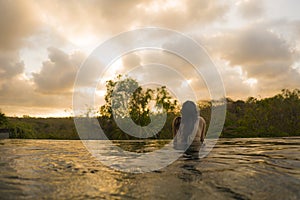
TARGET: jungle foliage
(125,99)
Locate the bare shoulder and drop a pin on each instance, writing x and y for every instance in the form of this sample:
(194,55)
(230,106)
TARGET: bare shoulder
(202,120)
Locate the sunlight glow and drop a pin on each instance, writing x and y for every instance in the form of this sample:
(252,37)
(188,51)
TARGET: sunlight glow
(116,67)
(251,82)
(296,66)
(100,93)
(82,40)
(112,71)
(158,6)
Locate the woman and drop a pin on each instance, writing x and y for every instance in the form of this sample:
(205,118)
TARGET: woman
(189,129)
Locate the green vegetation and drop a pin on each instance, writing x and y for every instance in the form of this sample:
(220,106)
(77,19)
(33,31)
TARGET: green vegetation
(130,101)
(42,128)
(276,116)
(3,120)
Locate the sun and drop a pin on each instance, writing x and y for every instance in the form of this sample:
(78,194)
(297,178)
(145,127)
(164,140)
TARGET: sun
(251,82)
(82,40)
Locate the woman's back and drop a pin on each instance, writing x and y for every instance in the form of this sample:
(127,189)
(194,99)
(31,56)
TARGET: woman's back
(189,140)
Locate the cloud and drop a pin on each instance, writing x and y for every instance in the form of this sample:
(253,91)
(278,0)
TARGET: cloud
(10,65)
(261,53)
(83,17)
(17,96)
(131,60)
(257,50)
(58,73)
(266,51)
(109,17)
(250,9)
(254,46)
(154,68)
(184,14)
(17,21)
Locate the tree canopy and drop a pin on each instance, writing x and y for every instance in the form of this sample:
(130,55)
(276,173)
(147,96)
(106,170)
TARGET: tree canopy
(274,116)
(3,119)
(126,98)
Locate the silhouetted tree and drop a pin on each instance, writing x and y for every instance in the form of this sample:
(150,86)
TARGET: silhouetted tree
(3,119)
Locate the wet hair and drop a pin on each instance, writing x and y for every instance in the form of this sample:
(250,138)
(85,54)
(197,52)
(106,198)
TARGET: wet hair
(176,125)
(189,116)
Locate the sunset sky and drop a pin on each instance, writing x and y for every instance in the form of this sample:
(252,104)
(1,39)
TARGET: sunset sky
(255,45)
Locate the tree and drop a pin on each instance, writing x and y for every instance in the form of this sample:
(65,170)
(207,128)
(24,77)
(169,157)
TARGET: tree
(117,97)
(128,98)
(139,106)
(274,116)
(165,100)
(3,119)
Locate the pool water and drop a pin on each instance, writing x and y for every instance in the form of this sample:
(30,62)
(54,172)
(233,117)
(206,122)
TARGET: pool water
(251,168)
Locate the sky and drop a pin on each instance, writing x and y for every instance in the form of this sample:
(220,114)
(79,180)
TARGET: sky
(254,44)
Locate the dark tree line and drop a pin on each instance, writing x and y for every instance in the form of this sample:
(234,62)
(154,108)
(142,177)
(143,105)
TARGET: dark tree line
(275,116)
(268,117)
(3,119)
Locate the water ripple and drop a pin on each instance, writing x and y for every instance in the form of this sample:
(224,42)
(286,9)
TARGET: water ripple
(259,168)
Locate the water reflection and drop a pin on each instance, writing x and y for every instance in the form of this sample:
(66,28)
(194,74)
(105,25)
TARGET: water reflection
(141,146)
(235,169)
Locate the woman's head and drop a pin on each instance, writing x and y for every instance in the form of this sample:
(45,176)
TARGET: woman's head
(189,110)
(185,125)
(189,117)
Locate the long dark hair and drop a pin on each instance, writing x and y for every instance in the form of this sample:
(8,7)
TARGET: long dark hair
(189,113)
(185,123)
